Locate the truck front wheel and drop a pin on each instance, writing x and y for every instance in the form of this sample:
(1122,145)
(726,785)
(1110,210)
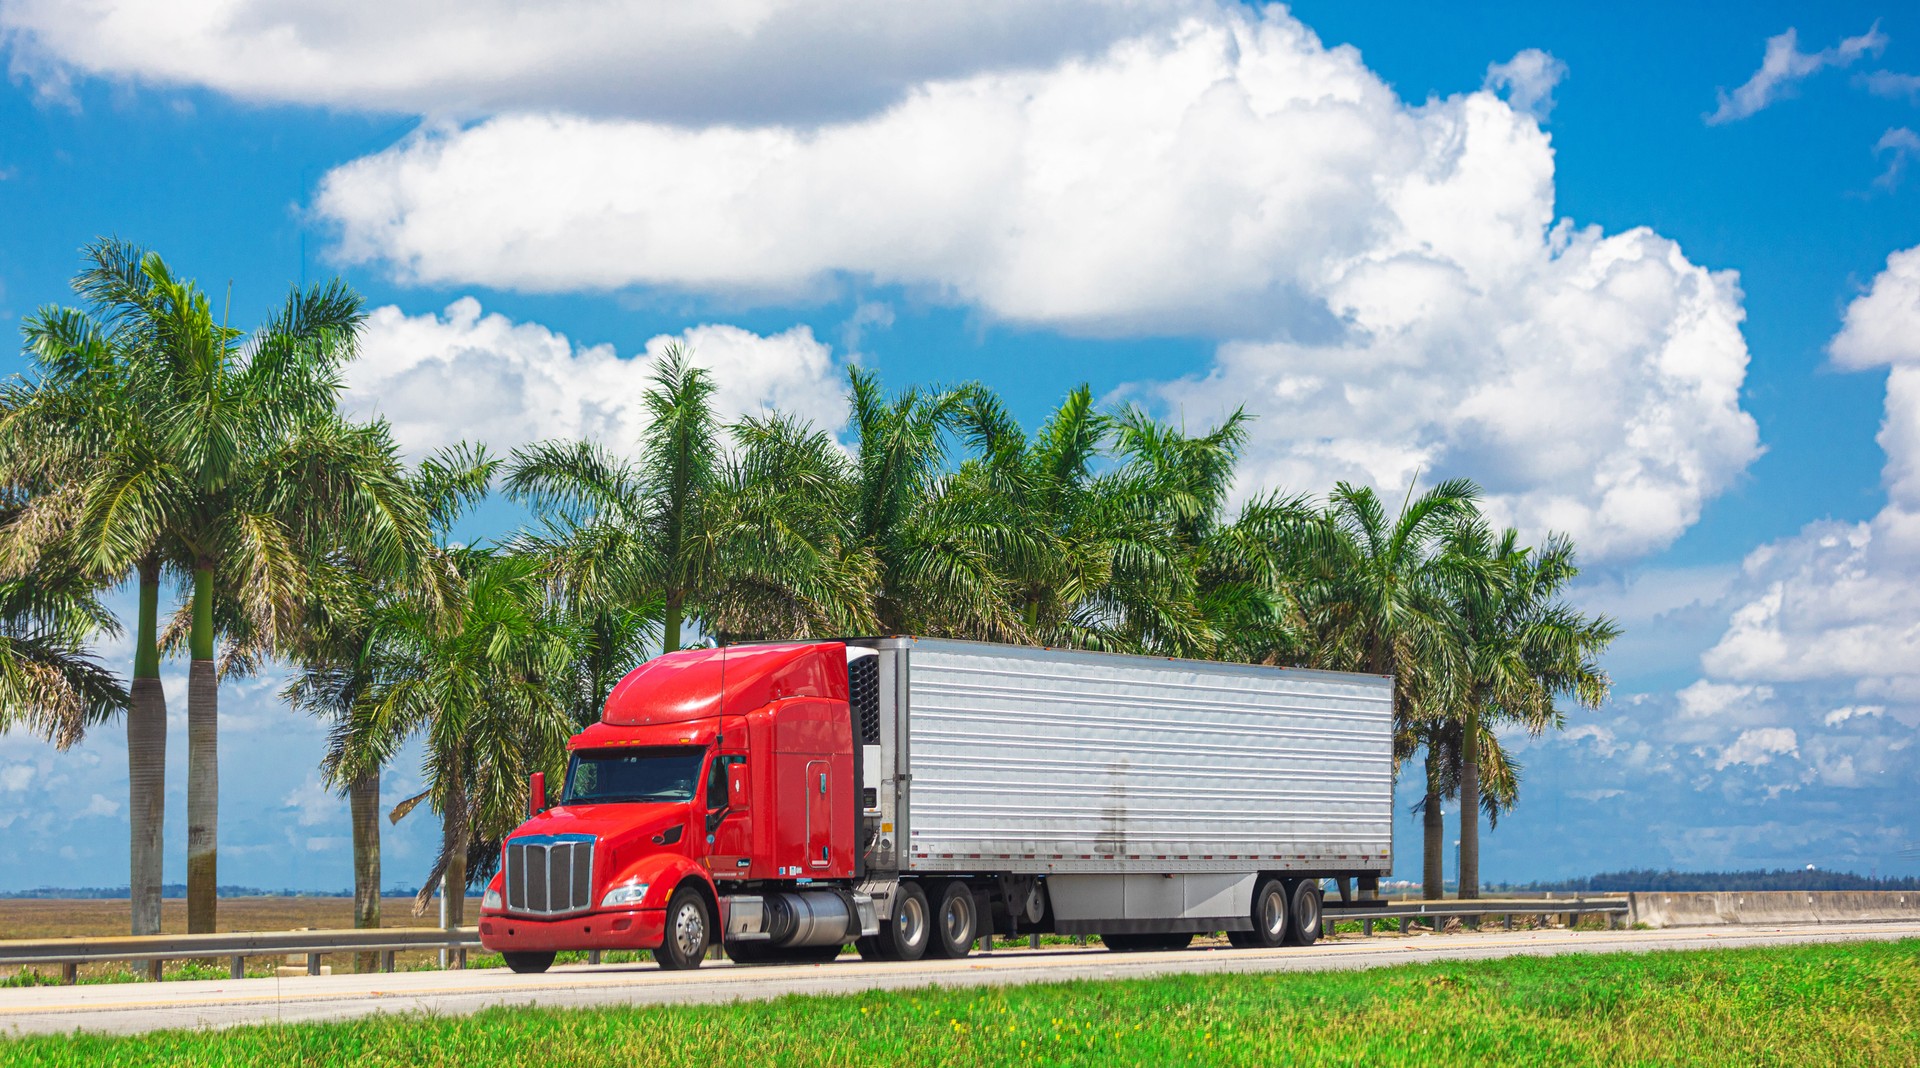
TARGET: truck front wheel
(956,921)
(528,963)
(687,933)
(905,934)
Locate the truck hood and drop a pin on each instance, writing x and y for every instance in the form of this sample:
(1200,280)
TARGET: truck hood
(615,825)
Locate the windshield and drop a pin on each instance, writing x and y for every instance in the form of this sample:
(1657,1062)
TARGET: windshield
(655,773)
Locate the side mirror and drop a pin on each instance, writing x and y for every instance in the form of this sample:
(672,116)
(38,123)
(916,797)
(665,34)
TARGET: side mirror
(737,787)
(537,794)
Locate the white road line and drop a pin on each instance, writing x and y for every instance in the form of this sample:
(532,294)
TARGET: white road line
(136,1007)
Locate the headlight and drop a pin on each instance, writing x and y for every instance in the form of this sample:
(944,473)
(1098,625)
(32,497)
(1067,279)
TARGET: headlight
(490,899)
(625,894)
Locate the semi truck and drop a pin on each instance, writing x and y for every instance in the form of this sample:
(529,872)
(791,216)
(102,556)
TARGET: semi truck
(912,795)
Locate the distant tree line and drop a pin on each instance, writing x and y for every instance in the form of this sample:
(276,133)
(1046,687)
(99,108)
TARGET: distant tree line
(1648,880)
(153,445)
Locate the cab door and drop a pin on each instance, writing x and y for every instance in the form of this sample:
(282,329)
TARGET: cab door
(728,853)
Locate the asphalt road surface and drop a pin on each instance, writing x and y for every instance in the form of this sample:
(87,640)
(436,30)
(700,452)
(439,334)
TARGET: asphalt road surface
(134,1007)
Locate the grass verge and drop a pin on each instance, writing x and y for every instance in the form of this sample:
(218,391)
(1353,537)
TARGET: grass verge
(1846,1004)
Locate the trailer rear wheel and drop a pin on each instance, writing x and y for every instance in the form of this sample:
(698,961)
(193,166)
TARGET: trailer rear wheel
(688,931)
(905,934)
(1270,926)
(1303,919)
(529,963)
(956,921)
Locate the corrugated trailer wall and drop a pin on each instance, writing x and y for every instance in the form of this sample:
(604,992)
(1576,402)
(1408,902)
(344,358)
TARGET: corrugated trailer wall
(1032,760)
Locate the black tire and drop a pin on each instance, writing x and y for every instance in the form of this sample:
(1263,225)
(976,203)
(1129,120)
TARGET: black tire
(1123,943)
(689,931)
(1304,913)
(906,934)
(1170,941)
(529,963)
(1272,923)
(956,921)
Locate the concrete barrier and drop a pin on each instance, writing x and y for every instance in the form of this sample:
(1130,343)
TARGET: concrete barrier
(1772,906)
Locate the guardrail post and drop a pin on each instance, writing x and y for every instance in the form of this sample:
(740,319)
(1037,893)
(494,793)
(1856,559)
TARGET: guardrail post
(153,970)
(386,961)
(593,956)
(70,973)
(1033,940)
(986,944)
(237,966)
(463,959)
(1366,927)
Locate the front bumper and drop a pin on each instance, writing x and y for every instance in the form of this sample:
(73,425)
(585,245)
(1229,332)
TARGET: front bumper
(502,932)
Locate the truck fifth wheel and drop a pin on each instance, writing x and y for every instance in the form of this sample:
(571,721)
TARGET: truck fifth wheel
(910,795)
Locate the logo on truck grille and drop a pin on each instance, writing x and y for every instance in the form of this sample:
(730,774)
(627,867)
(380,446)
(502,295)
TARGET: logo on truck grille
(549,874)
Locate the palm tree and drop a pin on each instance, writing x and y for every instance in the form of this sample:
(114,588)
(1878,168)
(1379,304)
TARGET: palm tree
(631,529)
(336,651)
(1521,649)
(65,435)
(483,689)
(49,684)
(249,470)
(935,552)
(1378,595)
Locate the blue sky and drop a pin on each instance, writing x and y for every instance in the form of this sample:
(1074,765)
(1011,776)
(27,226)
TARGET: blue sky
(1525,244)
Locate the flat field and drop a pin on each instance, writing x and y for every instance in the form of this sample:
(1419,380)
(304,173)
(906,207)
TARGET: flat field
(69,918)
(1836,1004)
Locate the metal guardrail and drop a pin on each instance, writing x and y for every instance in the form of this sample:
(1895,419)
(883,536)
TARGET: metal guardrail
(236,946)
(1613,908)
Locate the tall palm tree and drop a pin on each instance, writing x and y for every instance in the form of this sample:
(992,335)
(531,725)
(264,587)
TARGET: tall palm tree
(632,529)
(1378,595)
(937,554)
(336,651)
(1521,648)
(248,470)
(65,434)
(482,690)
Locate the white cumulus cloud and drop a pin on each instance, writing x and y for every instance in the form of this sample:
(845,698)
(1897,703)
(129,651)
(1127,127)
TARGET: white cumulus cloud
(1390,285)
(1785,66)
(1758,747)
(720,60)
(469,374)
(1528,79)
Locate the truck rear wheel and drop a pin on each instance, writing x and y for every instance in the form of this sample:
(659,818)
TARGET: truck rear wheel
(956,921)
(688,931)
(1303,915)
(906,933)
(529,963)
(1270,910)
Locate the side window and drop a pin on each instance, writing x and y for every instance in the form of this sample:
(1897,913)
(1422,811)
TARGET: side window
(717,779)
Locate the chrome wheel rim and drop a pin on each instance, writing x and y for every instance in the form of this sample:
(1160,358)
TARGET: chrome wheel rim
(959,919)
(910,922)
(1273,914)
(688,930)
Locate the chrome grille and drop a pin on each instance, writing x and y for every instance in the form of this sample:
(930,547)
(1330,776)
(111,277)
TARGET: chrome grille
(550,874)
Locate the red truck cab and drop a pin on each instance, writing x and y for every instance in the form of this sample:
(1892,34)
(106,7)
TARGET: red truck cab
(717,781)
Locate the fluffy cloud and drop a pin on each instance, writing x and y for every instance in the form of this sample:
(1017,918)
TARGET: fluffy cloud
(1785,66)
(723,60)
(1758,747)
(464,373)
(1389,282)
(1528,79)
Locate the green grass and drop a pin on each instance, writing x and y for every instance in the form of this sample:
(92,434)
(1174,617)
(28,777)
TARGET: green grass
(1851,1004)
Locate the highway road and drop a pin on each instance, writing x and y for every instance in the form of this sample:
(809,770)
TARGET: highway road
(134,1007)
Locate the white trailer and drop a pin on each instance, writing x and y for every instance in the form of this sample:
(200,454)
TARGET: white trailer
(1143,799)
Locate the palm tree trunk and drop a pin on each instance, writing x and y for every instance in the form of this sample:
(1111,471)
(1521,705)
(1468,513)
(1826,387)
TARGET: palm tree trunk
(146,760)
(203,761)
(454,833)
(1432,877)
(676,604)
(1470,805)
(363,797)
